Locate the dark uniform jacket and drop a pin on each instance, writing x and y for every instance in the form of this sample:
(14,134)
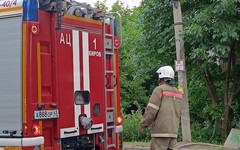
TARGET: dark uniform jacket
(163,111)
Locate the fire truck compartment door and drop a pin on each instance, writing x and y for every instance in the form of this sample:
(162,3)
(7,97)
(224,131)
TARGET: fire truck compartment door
(81,55)
(11,76)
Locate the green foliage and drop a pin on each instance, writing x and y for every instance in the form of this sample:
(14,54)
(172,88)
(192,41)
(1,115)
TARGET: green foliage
(234,116)
(131,131)
(131,83)
(210,32)
(101,5)
(215,111)
(211,29)
(238,125)
(206,132)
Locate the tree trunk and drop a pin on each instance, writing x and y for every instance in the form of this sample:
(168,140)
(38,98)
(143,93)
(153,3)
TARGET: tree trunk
(225,123)
(228,91)
(207,78)
(228,95)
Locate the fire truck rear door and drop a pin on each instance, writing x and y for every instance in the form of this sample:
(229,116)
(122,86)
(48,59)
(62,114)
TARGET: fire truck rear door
(80,68)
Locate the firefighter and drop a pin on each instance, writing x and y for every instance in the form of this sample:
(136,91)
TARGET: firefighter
(163,112)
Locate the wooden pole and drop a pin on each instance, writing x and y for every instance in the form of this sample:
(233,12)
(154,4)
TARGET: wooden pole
(182,78)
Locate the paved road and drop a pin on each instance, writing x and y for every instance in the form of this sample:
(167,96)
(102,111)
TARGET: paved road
(190,146)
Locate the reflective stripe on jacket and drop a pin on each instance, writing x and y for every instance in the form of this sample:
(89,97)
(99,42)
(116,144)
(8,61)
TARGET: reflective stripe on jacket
(163,111)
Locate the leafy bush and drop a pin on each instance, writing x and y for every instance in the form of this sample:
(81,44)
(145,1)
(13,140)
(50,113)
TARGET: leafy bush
(131,131)
(205,132)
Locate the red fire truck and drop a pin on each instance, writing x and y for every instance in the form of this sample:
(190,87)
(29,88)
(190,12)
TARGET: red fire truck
(59,76)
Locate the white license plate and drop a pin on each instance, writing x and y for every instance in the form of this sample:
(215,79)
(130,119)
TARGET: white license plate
(46,114)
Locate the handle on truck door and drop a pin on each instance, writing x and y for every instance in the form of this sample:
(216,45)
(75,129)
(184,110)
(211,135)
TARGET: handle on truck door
(107,80)
(116,80)
(70,132)
(98,128)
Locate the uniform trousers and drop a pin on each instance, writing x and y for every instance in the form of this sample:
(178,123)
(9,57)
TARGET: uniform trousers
(163,143)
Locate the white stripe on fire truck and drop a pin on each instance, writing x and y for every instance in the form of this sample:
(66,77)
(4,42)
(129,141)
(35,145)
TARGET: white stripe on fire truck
(86,82)
(76,72)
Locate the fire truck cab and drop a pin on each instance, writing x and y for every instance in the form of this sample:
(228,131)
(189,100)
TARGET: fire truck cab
(59,76)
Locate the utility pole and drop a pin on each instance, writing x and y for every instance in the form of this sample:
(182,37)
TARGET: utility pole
(182,78)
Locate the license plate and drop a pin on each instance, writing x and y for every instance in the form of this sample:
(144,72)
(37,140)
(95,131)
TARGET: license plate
(46,114)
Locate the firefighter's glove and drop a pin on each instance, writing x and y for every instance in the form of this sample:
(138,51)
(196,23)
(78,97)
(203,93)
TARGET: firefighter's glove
(141,129)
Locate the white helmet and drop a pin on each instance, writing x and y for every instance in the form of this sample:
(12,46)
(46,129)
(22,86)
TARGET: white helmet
(165,72)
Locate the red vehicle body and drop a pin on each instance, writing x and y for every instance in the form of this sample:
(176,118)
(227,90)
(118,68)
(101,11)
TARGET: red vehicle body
(68,81)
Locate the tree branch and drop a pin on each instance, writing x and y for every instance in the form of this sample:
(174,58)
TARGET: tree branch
(208,82)
(227,79)
(211,83)
(230,98)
